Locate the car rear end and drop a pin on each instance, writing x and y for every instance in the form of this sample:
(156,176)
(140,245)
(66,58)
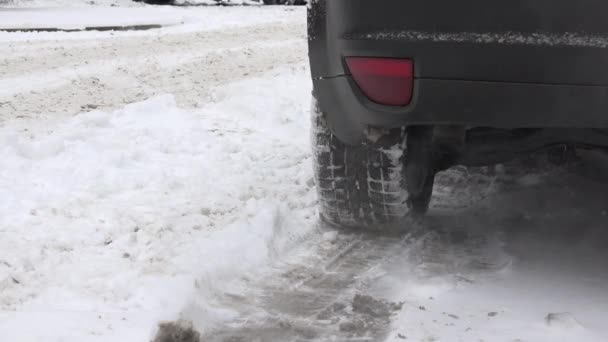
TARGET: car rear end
(405,89)
(508,64)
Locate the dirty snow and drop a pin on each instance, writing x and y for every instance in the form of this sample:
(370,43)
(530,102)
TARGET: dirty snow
(176,20)
(113,3)
(79,18)
(59,74)
(526,264)
(68,3)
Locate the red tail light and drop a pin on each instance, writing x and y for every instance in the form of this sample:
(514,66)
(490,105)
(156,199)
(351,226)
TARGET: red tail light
(387,81)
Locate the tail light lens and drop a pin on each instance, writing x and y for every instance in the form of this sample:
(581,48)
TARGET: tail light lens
(387,81)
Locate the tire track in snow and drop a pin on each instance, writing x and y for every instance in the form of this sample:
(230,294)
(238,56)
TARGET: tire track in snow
(331,294)
(329,288)
(75,77)
(321,297)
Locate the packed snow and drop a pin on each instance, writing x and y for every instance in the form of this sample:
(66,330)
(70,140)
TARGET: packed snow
(68,3)
(80,18)
(165,177)
(172,20)
(57,74)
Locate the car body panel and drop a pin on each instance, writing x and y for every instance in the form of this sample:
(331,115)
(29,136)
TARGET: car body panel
(533,63)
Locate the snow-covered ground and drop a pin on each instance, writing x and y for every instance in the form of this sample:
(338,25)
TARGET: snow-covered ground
(113,3)
(165,176)
(52,74)
(173,20)
(110,218)
(68,3)
(80,18)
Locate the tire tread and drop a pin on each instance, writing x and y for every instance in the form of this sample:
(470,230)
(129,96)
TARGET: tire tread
(359,186)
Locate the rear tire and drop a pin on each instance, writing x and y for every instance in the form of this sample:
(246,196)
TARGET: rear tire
(362,185)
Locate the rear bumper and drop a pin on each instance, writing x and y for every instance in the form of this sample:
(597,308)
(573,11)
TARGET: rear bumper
(466,103)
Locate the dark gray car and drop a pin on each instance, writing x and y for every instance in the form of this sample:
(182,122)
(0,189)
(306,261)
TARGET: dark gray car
(405,89)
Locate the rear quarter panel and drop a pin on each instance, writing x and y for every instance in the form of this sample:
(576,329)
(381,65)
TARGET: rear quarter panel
(531,41)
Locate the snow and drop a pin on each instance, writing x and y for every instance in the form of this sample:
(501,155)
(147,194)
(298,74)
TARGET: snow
(200,198)
(114,3)
(175,20)
(217,2)
(58,78)
(81,18)
(570,39)
(68,3)
(537,272)
(124,212)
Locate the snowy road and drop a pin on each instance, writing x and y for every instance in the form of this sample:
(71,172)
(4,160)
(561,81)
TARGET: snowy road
(527,263)
(58,74)
(166,177)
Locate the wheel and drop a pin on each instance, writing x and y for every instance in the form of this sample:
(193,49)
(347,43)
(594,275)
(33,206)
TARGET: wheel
(363,185)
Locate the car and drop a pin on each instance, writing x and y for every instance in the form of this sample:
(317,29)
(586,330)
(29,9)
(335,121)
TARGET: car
(405,89)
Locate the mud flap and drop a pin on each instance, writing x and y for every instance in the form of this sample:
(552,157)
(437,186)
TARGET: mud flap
(419,169)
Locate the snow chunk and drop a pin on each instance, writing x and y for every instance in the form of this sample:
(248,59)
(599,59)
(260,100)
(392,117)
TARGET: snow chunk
(113,222)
